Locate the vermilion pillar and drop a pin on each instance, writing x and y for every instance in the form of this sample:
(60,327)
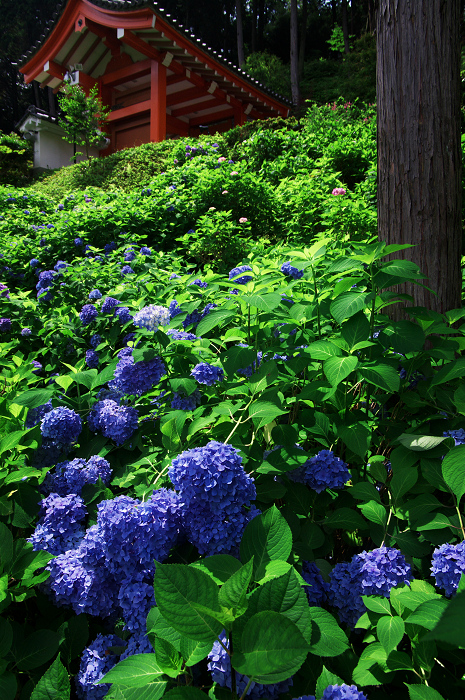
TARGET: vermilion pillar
(158,101)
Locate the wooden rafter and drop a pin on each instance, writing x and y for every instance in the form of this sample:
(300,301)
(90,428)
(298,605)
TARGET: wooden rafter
(196,107)
(76,46)
(209,118)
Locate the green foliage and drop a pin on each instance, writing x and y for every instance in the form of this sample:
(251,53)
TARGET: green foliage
(269,70)
(83,116)
(15,160)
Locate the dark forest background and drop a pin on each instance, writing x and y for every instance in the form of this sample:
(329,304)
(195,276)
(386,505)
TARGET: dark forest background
(334,45)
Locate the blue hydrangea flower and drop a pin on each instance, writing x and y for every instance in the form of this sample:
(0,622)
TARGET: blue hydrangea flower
(207,374)
(61,424)
(116,422)
(4,291)
(343,692)
(199,283)
(174,276)
(95,294)
(458,435)
(95,340)
(59,527)
(181,402)
(174,309)
(26,332)
(109,248)
(127,270)
(136,378)
(5,325)
(129,256)
(123,314)
(87,314)
(324,471)
(78,241)
(448,565)
(70,477)
(61,265)
(34,262)
(192,319)
(238,271)
(96,661)
(145,251)
(290,271)
(138,644)
(150,317)
(108,306)
(368,573)
(181,335)
(92,359)
(219,665)
(35,415)
(317,591)
(37,367)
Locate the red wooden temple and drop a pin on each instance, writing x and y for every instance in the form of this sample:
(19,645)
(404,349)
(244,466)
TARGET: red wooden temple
(159,79)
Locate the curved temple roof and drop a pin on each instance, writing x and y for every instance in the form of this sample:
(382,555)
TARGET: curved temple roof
(113,43)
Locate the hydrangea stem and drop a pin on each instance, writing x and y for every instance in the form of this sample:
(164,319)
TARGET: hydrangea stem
(246,689)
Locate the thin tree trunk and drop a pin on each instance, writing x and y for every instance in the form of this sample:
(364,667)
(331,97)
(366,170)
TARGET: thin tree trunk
(345,26)
(419,154)
(371,16)
(303,37)
(260,24)
(333,14)
(254,25)
(240,34)
(294,55)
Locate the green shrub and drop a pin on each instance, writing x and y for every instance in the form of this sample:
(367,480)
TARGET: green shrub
(15,160)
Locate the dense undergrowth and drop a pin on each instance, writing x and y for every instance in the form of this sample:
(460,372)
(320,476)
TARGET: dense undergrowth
(203,403)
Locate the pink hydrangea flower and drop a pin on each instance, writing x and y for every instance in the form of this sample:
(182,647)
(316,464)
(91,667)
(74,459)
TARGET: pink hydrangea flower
(234,172)
(338,190)
(225,192)
(243,220)
(212,209)
(221,159)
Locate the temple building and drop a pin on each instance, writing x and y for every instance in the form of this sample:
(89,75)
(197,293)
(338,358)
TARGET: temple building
(159,80)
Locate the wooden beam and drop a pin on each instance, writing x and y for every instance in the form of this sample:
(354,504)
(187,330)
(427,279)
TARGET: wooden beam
(107,35)
(122,75)
(197,107)
(54,69)
(129,111)
(176,126)
(99,60)
(90,51)
(85,81)
(46,82)
(209,118)
(75,47)
(130,39)
(157,101)
(176,98)
(172,79)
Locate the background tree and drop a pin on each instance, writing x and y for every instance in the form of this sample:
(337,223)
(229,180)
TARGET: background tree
(294,55)
(419,154)
(83,116)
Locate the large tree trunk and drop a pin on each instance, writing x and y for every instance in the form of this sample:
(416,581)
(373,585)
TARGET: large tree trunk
(419,155)
(294,55)
(240,34)
(303,37)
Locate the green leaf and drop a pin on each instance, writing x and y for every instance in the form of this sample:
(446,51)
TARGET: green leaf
(326,678)
(377,604)
(152,691)
(356,329)
(54,684)
(375,512)
(264,302)
(399,661)
(11,440)
(428,614)
(168,658)
(365,491)
(423,692)
(357,437)
(86,378)
(157,626)
(420,443)
(36,649)
(348,304)
(6,637)
(402,481)
(186,692)
(219,567)
(407,337)
(6,547)
(453,471)
(34,397)
(177,588)
(265,410)
(323,350)
(452,370)
(266,375)
(192,652)
(370,669)
(272,648)
(346,519)
(448,628)
(104,376)
(337,369)
(266,537)
(327,639)
(8,686)
(402,268)
(134,672)
(76,636)
(184,384)
(390,631)
(380,375)
(233,593)
(219,317)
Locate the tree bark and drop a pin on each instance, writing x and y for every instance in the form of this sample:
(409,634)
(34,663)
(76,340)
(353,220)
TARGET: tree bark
(260,24)
(240,34)
(345,26)
(254,25)
(294,55)
(419,154)
(303,37)
(371,16)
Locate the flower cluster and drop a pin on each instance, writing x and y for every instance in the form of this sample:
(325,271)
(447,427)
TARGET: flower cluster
(92,359)
(70,477)
(207,374)
(127,270)
(290,271)
(343,692)
(95,294)
(238,271)
(199,283)
(150,317)
(181,335)
(123,314)
(458,435)
(136,378)
(108,306)
(317,590)
(324,471)
(5,325)
(115,422)
(181,402)
(87,314)
(219,665)
(338,190)
(368,573)
(59,527)
(96,661)
(214,488)
(174,309)
(61,424)
(448,565)
(95,340)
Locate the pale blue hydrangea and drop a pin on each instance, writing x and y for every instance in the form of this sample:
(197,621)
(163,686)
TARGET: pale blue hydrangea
(448,565)
(343,692)
(181,335)
(290,271)
(207,374)
(61,424)
(150,317)
(95,294)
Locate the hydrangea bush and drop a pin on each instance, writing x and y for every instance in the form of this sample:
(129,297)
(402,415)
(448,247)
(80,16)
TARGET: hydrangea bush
(246,447)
